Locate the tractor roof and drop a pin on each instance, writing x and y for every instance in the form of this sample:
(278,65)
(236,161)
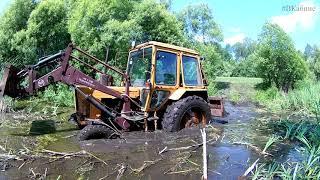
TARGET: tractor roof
(169,46)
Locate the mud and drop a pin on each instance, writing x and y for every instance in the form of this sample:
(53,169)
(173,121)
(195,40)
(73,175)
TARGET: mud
(137,153)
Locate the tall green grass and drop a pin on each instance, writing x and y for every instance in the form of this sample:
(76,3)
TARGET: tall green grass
(304,99)
(307,135)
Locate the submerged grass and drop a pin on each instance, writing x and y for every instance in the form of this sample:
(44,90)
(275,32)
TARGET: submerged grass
(307,135)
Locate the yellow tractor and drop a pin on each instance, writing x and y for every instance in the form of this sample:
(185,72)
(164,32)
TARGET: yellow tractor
(163,88)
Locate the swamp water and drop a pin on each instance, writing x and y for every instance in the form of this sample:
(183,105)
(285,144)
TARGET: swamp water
(234,147)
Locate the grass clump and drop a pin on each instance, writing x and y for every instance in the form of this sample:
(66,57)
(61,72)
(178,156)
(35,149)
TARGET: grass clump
(307,135)
(235,96)
(303,99)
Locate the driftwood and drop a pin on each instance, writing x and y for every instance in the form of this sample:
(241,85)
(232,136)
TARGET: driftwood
(195,146)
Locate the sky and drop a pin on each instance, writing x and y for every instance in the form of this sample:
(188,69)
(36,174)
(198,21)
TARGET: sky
(3,5)
(244,18)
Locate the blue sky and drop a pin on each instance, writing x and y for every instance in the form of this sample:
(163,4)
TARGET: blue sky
(244,18)
(3,5)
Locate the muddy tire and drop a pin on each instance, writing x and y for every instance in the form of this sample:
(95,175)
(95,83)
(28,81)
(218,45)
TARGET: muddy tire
(187,112)
(95,132)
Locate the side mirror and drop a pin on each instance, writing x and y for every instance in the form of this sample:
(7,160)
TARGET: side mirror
(205,82)
(202,58)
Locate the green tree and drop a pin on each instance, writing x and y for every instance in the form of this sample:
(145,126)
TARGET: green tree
(309,51)
(47,27)
(316,63)
(199,25)
(280,64)
(213,63)
(247,67)
(98,25)
(12,22)
(156,23)
(244,49)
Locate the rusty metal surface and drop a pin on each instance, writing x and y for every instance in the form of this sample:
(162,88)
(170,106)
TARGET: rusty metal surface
(9,82)
(216,104)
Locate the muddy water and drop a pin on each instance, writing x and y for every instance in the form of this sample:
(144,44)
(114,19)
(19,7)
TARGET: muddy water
(138,152)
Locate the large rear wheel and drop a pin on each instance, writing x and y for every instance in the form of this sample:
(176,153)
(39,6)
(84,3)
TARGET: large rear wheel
(188,112)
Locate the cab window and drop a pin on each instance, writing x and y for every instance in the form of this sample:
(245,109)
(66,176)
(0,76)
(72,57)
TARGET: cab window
(166,68)
(139,67)
(191,72)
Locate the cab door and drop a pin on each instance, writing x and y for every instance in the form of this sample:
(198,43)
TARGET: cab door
(166,77)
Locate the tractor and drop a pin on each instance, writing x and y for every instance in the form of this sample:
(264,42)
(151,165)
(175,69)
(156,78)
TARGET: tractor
(164,87)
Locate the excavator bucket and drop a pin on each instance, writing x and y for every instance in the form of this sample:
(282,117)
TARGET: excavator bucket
(10,82)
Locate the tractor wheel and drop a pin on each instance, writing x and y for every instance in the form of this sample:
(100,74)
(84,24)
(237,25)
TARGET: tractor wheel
(95,132)
(187,112)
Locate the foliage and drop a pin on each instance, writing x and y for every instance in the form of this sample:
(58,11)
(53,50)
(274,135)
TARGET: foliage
(49,35)
(307,134)
(247,67)
(155,23)
(61,95)
(199,25)
(12,22)
(303,99)
(235,97)
(280,63)
(100,24)
(268,97)
(213,63)
(315,64)
(242,50)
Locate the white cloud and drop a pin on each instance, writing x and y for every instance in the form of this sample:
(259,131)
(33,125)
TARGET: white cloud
(234,39)
(303,19)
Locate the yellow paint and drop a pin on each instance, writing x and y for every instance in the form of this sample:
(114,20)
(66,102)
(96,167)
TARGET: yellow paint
(176,91)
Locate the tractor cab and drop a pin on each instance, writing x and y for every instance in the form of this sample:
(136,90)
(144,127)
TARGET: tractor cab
(164,72)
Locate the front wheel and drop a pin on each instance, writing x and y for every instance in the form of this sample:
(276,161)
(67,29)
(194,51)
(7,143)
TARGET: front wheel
(187,112)
(96,132)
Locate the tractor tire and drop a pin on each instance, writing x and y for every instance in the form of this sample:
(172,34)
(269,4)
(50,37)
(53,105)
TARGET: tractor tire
(95,132)
(187,112)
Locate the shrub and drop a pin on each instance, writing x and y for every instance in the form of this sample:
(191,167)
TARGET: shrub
(61,95)
(304,98)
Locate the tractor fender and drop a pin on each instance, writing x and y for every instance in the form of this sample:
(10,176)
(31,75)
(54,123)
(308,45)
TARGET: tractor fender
(176,95)
(179,93)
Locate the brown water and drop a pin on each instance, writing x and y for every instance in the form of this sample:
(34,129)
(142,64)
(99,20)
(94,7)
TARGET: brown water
(138,152)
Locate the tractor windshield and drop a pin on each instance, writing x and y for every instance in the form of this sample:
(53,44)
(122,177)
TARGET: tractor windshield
(139,67)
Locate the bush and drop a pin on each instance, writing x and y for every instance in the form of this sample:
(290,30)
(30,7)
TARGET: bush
(61,95)
(303,99)
(246,67)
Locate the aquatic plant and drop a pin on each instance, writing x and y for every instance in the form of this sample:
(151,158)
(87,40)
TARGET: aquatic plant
(307,134)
